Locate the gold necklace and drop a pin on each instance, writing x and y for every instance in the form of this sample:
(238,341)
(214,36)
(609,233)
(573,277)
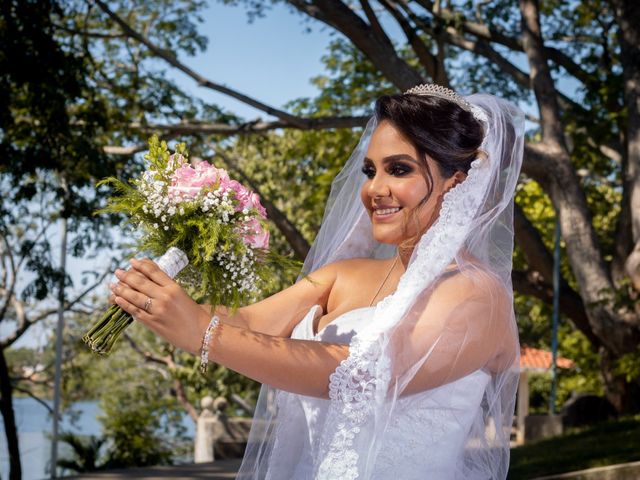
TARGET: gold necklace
(385,280)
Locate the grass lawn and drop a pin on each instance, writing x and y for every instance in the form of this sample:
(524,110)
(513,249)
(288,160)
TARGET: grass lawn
(596,446)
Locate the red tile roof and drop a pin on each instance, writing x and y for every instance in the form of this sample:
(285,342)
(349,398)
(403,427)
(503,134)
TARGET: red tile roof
(536,359)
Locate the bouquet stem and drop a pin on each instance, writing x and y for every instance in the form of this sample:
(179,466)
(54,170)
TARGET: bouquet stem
(103,335)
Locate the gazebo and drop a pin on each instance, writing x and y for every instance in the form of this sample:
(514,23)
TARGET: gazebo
(531,360)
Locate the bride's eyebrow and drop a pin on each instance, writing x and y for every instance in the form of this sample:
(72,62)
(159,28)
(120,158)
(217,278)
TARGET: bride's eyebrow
(394,158)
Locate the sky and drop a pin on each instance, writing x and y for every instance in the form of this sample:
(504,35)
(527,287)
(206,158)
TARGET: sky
(271,59)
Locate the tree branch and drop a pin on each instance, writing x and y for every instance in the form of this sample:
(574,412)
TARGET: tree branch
(86,33)
(170,58)
(168,362)
(379,50)
(247,128)
(537,164)
(181,395)
(484,49)
(627,14)
(147,355)
(8,292)
(256,126)
(376,28)
(529,283)
(427,59)
(492,35)
(585,255)
(540,75)
(537,281)
(36,398)
(24,322)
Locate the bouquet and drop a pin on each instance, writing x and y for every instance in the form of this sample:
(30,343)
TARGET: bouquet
(209,230)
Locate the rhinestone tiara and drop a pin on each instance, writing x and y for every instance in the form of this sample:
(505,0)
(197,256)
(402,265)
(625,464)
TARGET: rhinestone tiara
(434,90)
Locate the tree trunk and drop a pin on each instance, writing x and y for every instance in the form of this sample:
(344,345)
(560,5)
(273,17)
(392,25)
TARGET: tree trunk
(6,407)
(618,335)
(627,13)
(623,395)
(371,41)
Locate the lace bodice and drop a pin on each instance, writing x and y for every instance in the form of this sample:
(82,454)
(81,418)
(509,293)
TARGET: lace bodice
(426,434)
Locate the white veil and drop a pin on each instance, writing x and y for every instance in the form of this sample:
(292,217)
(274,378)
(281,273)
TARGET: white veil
(451,316)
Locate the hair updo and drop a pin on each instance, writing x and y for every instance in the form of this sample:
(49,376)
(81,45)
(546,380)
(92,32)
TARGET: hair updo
(436,127)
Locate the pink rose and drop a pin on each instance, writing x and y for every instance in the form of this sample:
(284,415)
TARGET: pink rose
(254,235)
(187,181)
(242,196)
(208,175)
(234,186)
(255,203)
(248,199)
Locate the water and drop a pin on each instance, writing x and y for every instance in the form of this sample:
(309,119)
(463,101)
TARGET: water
(34,429)
(34,426)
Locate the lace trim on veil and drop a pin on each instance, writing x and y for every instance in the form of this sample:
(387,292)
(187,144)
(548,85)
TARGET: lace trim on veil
(360,382)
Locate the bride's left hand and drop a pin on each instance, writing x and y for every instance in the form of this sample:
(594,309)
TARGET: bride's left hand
(172,314)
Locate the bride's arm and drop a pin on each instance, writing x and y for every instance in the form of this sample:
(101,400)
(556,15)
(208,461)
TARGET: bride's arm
(298,366)
(456,333)
(278,314)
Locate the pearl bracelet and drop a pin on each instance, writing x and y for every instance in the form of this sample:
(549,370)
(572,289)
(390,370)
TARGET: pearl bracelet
(204,351)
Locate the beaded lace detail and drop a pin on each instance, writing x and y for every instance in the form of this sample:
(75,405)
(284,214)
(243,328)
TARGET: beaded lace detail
(415,430)
(360,382)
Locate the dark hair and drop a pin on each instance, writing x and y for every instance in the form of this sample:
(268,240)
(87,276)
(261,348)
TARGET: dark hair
(437,128)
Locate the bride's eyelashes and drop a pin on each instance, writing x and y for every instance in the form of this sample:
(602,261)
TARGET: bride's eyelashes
(400,169)
(369,171)
(396,169)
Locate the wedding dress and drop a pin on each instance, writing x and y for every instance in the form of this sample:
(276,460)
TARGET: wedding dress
(426,434)
(428,387)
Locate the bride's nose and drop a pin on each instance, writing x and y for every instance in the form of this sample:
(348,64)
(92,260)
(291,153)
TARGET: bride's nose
(378,187)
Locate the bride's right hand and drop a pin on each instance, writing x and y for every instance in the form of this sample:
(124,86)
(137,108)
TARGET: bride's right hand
(112,297)
(278,314)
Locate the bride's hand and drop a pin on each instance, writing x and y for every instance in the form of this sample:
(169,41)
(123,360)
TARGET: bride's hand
(170,313)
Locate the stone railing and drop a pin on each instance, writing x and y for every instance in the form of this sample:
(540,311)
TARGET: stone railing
(219,436)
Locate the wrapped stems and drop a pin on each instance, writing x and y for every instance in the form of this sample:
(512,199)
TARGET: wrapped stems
(107,330)
(103,335)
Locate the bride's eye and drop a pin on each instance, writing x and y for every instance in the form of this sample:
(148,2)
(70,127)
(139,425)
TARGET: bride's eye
(369,171)
(399,169)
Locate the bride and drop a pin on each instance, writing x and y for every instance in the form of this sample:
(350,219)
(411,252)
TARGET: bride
(396,354)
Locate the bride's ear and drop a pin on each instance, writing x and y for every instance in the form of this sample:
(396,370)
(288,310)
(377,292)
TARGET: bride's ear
(454,180)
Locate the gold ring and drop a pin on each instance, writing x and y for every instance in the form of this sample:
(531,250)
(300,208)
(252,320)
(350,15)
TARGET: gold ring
(147,304)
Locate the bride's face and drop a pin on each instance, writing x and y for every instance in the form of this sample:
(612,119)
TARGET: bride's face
(396,193)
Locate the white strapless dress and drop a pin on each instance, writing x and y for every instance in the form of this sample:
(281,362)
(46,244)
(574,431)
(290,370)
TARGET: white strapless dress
(427,437)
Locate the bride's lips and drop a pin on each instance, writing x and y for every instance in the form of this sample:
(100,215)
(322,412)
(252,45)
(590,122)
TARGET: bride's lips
(384,214)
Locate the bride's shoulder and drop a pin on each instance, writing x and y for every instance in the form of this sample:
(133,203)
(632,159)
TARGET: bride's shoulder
(350,265)
(352,272)
(472,280)
(350,269)
(358,267)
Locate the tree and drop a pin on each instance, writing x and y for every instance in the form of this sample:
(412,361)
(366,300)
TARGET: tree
(68,89)
(54,120)
(99,90)
(583,152)
(86,453)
